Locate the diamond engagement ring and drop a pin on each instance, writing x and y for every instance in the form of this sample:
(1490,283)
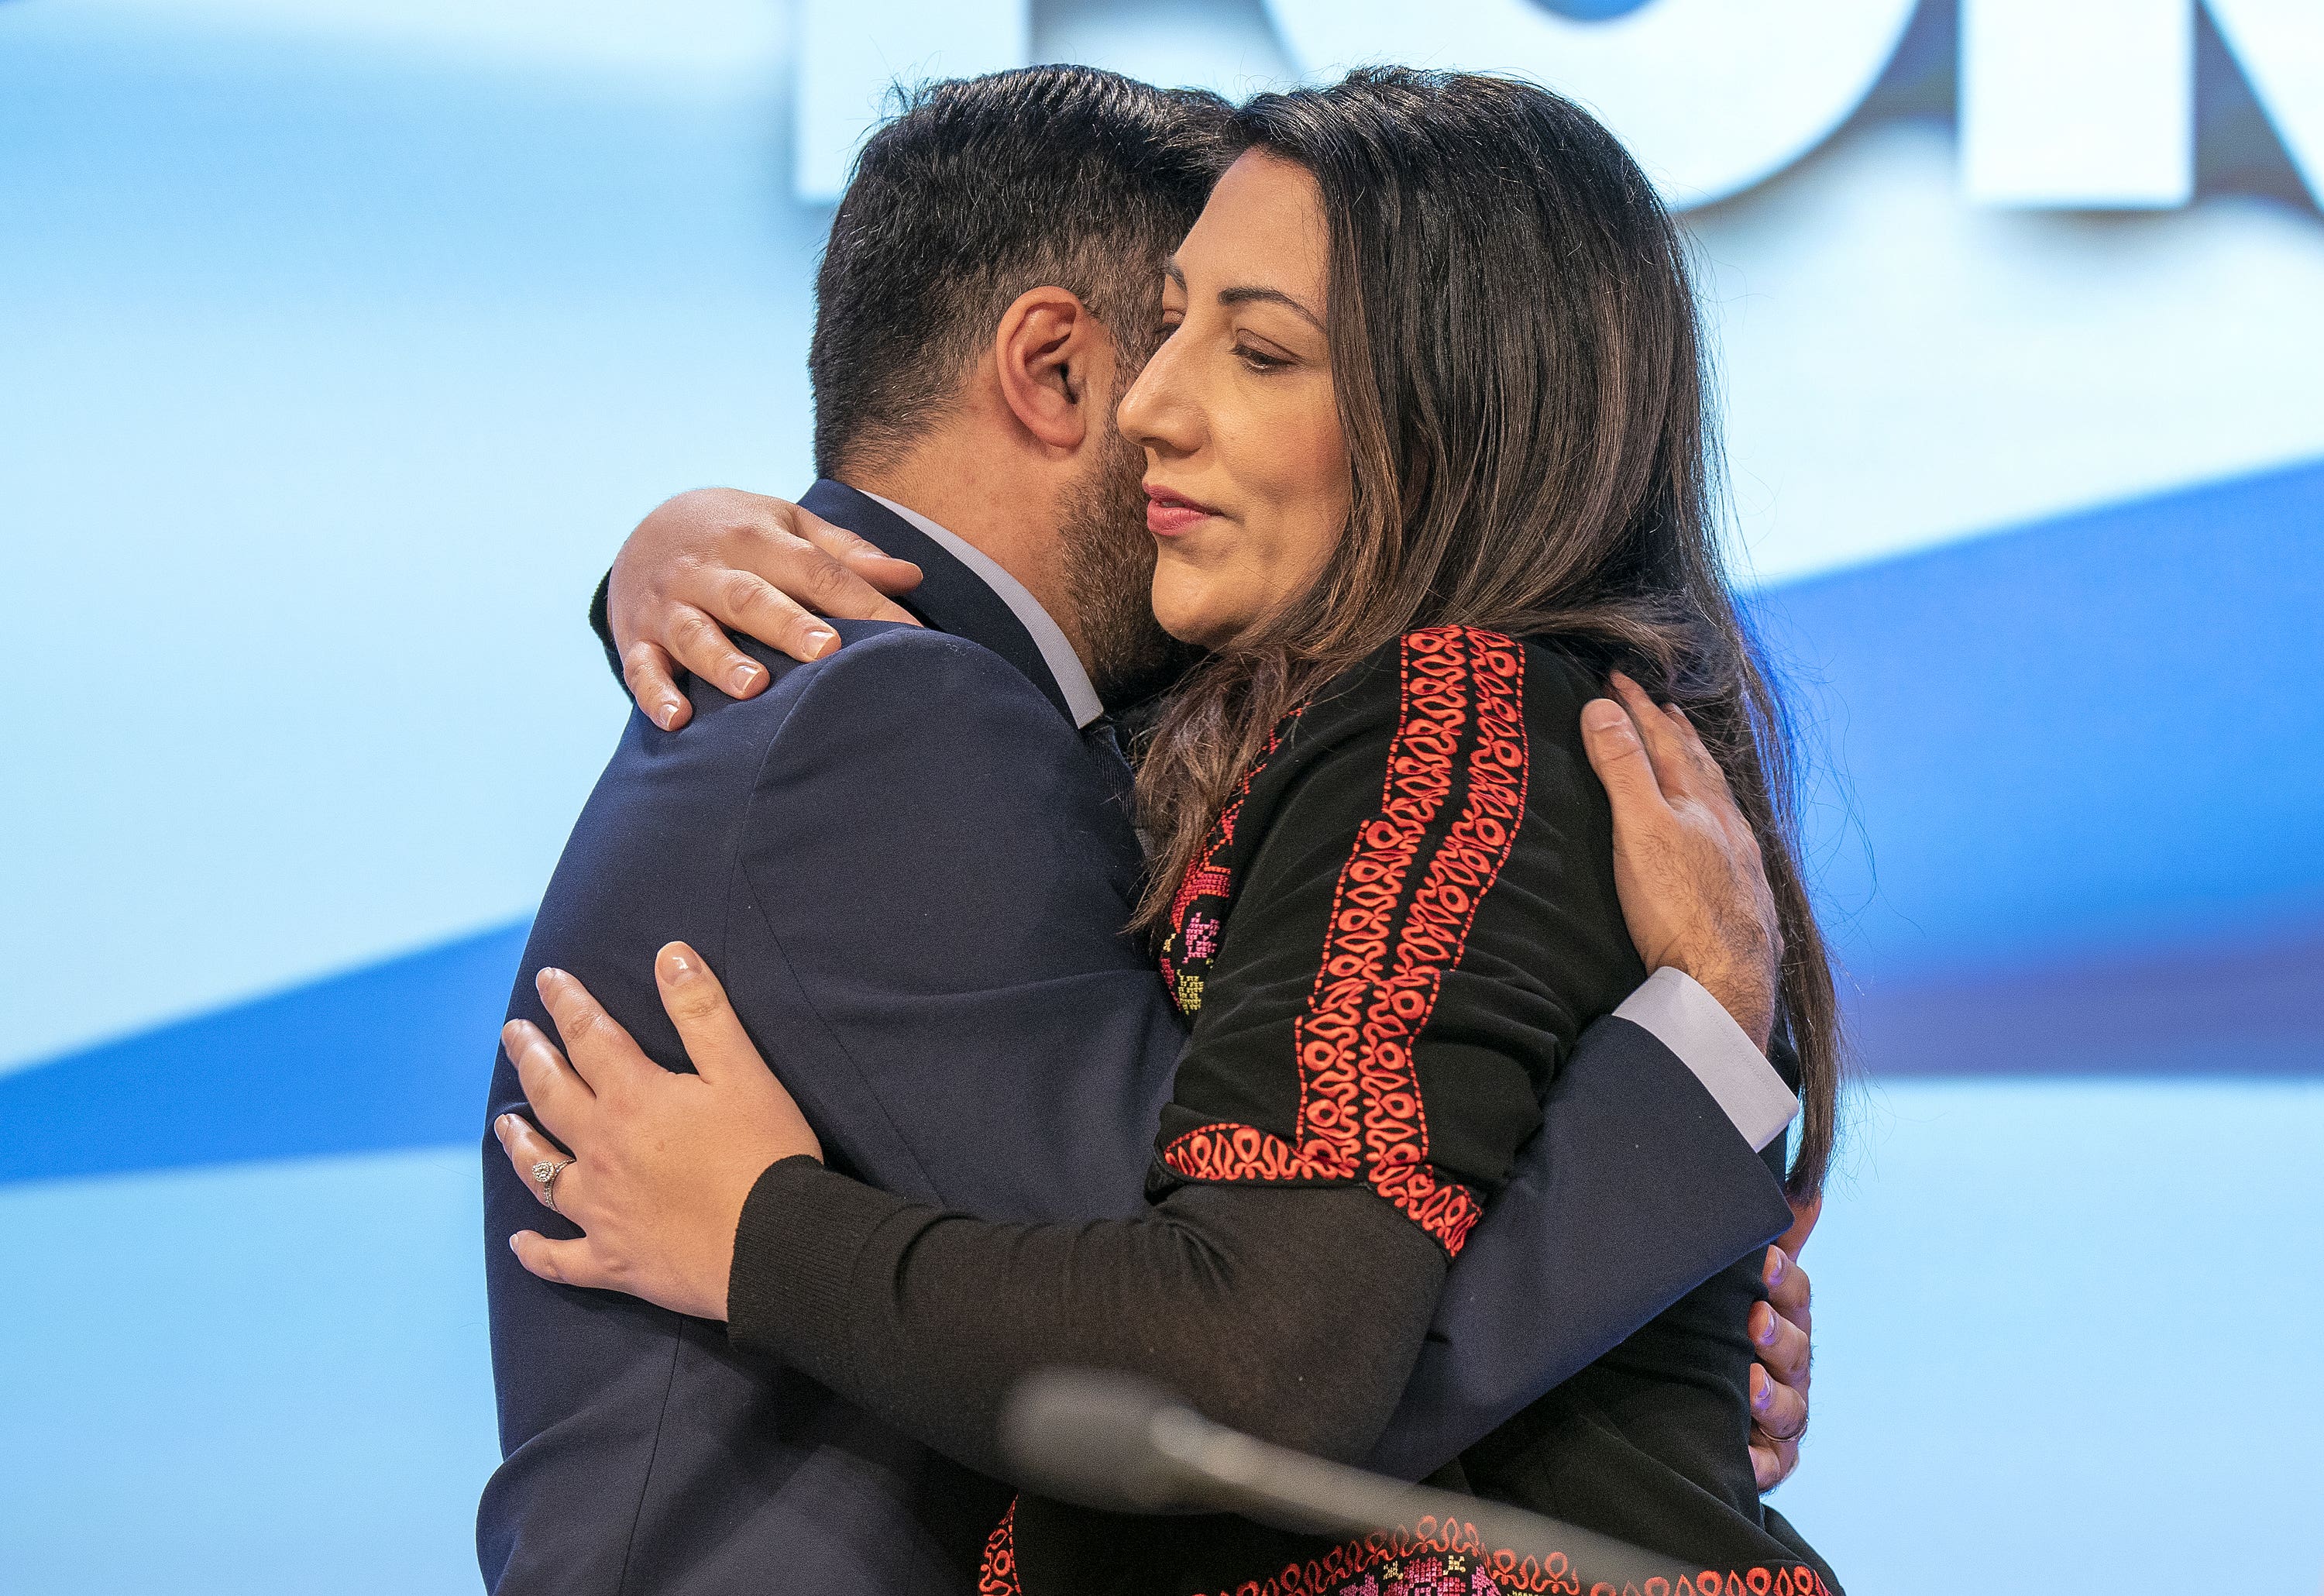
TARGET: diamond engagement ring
(544,1175)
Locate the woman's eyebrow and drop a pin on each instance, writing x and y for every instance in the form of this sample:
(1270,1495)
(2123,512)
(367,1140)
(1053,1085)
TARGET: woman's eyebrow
(1270,296)
(1247,296)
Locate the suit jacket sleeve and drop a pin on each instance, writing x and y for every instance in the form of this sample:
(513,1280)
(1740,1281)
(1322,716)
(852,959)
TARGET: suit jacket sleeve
(1638,1188)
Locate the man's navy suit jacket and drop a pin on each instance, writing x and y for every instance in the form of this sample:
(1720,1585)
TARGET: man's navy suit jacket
(912,873)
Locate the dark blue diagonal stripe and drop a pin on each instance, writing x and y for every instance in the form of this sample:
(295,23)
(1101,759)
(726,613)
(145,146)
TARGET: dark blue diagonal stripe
(2090,752)
(393,1056)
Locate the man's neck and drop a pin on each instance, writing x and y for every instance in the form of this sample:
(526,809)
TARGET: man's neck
(964,490)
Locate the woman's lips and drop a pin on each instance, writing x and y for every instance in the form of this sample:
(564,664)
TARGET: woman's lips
(1167,514)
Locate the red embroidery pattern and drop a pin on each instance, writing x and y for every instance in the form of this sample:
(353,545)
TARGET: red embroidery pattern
(1208,884)
(997,1576)
(1451,1561)
(1390,941)
(1446,1560)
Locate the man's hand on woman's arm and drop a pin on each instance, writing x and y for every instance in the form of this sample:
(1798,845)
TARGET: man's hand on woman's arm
(717,559)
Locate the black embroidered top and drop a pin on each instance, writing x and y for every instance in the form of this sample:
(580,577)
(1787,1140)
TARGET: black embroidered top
(1381,979)
(1390,941)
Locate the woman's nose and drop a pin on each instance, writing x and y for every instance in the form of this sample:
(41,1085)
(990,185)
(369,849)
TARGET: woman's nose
(1156,413)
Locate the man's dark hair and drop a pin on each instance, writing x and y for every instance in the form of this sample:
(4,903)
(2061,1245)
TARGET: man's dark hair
(982,188)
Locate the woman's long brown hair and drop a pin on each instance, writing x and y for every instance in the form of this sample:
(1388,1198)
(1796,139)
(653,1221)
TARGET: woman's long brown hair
(1521,383)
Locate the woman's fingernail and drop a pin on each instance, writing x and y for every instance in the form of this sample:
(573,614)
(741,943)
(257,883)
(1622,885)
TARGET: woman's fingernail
(500,1129)
(513,1246)
(680,967)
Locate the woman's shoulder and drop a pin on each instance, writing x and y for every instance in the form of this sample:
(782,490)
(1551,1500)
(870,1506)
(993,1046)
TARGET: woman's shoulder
(1442,718)
(1434,682)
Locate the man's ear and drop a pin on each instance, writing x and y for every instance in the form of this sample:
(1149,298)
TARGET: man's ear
(1049,351)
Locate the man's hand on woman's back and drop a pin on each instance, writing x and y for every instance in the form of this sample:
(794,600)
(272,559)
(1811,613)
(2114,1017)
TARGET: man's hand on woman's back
(1693,884)
(717,559)
(1694,894)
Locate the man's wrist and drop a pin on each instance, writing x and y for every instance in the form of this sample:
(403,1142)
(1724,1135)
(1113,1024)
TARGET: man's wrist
(1684,1017)
(1744,995)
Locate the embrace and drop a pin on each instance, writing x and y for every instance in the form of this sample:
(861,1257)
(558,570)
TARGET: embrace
(1237,834)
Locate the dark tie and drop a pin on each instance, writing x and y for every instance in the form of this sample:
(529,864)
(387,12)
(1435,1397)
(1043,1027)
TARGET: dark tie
(1105,753)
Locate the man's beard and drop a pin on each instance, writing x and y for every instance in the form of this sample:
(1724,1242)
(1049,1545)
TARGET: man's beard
(1109,567)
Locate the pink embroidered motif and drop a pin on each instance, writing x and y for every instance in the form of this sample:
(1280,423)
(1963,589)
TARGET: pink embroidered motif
(1202,936)
(1194,938)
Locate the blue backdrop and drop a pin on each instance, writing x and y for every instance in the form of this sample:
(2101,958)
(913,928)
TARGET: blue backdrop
(343,341)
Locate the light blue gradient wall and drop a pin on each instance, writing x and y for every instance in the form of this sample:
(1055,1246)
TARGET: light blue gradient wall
(340,343)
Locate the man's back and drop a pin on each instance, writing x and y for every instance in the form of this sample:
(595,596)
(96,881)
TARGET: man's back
(911,873)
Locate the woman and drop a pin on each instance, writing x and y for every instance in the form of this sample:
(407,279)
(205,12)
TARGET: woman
(1426,456)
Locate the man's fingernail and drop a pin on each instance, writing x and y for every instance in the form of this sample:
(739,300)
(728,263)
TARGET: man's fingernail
(1774,1265)
(513,1246)
(680,967)
(1767,1337)
(1763,1392)
(667,715)
(500,1129)
(819,642)
(745,679)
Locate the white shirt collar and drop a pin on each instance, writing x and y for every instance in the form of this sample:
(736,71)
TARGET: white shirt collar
(1056,653)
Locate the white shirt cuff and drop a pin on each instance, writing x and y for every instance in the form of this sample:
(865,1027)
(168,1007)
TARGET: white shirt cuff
(1689,1022)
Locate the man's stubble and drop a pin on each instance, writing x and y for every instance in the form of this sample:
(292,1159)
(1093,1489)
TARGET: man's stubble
(1109,567)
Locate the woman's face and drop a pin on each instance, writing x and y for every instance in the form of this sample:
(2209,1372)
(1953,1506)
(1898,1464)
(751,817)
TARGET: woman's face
(1247,482)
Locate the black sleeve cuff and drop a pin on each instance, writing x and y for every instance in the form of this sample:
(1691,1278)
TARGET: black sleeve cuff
(803,1230)
(603,625)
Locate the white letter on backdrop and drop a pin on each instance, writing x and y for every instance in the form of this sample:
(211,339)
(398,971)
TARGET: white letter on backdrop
(2078,102)
(1710,96)
(2280,46)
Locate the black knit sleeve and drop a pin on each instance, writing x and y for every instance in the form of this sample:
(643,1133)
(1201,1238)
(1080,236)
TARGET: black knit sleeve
(1292,1315)
(601,623)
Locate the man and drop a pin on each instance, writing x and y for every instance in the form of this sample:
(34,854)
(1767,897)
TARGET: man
(910,860)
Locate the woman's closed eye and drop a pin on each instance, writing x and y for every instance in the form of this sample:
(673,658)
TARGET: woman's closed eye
(1261,358)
